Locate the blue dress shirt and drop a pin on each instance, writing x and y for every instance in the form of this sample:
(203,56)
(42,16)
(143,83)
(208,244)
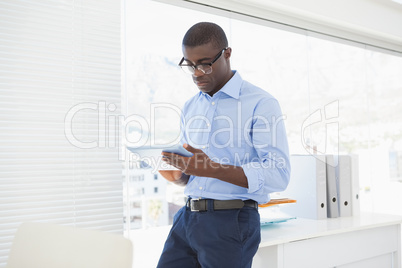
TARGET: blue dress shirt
(239,125)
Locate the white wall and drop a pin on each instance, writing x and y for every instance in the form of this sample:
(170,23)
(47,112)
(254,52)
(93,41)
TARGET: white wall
(374,22)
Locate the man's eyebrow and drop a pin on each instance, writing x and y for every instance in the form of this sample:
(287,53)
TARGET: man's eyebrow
(203,59)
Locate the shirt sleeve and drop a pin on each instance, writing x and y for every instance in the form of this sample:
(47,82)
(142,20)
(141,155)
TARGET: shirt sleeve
(270,172)
(183,138)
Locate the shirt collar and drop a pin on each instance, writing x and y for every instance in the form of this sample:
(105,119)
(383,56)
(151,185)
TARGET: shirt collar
(232,87)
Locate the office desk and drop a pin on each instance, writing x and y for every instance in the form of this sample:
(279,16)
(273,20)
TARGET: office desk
(368,240)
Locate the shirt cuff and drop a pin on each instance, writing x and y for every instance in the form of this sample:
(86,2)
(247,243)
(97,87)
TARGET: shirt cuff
(255,183)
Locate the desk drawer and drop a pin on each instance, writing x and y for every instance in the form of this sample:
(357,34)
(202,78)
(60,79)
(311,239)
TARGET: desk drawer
(342,249)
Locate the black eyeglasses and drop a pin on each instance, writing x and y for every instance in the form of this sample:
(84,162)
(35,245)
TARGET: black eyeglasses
(206,68)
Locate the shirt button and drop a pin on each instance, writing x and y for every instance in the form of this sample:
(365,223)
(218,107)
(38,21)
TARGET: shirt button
(203,147)
(208,124)
(200,188)
(213,103)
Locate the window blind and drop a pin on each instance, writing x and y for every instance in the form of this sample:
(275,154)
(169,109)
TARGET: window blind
(60,87)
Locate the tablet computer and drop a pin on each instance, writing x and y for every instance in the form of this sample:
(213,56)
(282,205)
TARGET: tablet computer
(154,151)
(178,149)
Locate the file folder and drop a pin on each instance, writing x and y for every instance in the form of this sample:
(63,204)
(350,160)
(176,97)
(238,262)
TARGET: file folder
(344,172)
(332,187)
(277,201)
(308,186)
(355,198)
(269,221)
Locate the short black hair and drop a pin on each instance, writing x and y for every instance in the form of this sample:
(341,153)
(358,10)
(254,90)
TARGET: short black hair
(203,33)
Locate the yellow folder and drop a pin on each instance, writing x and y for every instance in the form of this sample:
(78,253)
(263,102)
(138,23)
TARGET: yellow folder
(277,201)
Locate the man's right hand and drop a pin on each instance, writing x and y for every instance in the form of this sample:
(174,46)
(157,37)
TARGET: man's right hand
(175,176)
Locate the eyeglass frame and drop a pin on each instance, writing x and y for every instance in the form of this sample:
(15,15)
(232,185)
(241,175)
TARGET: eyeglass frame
(196,65)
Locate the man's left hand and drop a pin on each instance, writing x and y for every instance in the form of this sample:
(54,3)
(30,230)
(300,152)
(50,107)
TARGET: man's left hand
(198,165)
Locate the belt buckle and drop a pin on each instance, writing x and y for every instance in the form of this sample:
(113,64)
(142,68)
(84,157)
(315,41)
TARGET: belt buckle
(192,205)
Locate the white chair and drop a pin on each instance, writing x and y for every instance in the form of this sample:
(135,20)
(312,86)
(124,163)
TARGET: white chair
(40,245)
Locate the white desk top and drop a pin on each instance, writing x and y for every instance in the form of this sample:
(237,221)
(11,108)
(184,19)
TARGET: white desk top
(300,229)
(148,243)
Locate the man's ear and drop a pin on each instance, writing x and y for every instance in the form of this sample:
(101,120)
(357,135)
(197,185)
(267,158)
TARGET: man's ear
(227,53)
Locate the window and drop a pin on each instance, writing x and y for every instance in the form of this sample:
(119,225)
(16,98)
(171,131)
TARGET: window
(59,91)
(137,178)
(359,87)
(60,81)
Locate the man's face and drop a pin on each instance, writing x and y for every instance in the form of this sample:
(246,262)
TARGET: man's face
(221,72)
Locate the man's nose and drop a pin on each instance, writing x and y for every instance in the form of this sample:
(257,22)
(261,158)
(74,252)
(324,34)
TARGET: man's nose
(198,73)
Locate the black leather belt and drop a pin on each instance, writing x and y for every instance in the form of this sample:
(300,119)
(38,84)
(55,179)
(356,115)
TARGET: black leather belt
(200,205)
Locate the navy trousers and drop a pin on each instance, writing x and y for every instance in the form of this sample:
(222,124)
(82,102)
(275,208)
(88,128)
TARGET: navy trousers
(212,239)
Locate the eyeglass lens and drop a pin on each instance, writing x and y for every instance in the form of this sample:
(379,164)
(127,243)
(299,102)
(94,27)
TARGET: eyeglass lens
(206,69)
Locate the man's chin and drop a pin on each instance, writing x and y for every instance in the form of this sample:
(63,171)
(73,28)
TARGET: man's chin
(204,89)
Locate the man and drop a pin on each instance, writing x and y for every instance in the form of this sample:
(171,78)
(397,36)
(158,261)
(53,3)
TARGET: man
(236,133)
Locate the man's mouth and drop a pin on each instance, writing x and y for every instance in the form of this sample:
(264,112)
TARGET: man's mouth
(201,83)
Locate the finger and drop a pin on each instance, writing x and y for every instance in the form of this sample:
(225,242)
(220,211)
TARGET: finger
(167,154)
(173,158)
(173,162)
(170,158)
(171,155)
(191,149)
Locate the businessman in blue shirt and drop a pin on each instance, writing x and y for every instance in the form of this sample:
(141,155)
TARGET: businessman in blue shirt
(236,133)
